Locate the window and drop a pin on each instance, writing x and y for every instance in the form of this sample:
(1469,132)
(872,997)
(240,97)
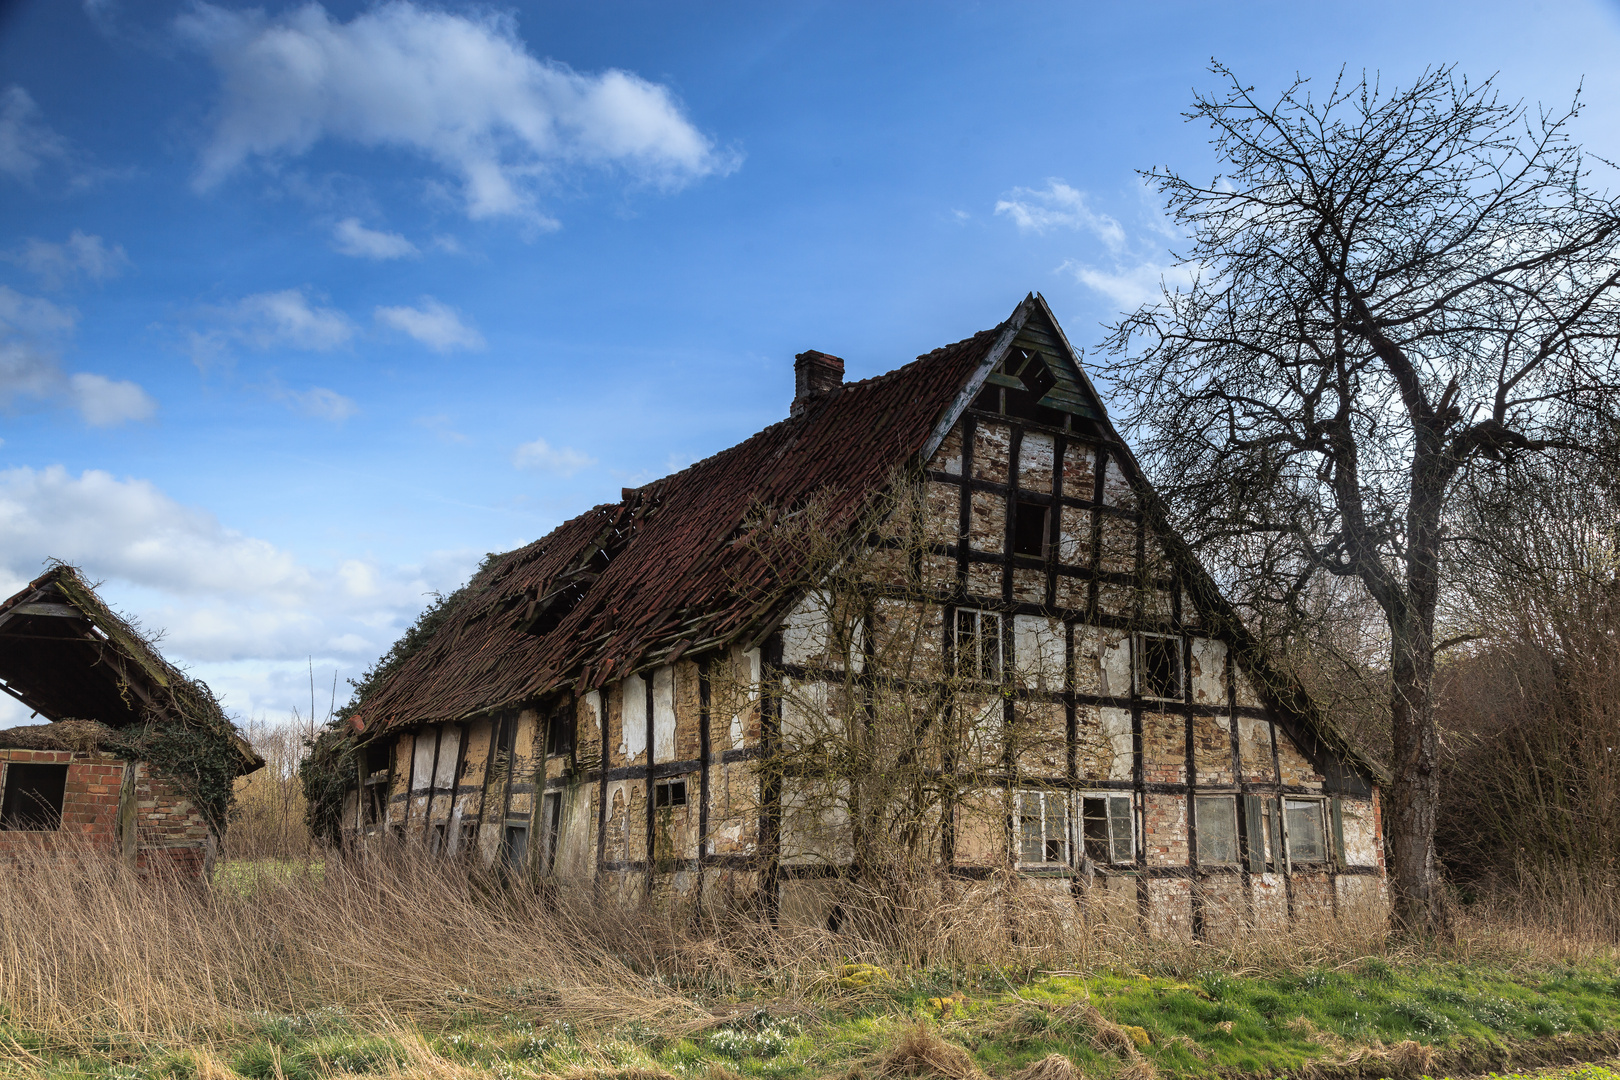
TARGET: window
(436,839)
(1029,529)
(550,826)
(468,839)
(668,793)
(560,733)
(978,644)
(33,797)
(515,846)
(1217,830)
(1307,840)
(1109,827)
(1043,827)
(1158,667)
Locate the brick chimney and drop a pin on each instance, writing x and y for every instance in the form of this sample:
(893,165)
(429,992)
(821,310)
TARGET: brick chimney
(814,374)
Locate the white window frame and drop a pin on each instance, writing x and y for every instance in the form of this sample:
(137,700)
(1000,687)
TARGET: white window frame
(1044,797)
(1139,655)
(980,618)
(1080,819)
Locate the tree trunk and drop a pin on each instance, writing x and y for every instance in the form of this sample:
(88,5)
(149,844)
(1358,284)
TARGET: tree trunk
(1420,907)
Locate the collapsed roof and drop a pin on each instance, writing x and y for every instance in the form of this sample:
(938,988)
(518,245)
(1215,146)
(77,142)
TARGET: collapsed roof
(640,582)
(69,658)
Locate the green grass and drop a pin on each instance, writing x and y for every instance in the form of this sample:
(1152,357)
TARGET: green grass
(1199,1025)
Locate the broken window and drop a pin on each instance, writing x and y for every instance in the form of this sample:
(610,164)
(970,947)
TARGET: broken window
(978,644)
(33,796)
(515,845)
(1029,528)
(1307,839)
(1217,830)
(1158,667)
(669,793)
(550,827)
(560,733)
(1043,827)
(1109,826)
(468,838)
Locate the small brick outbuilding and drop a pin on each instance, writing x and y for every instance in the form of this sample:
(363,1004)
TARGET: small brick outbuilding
(110,771)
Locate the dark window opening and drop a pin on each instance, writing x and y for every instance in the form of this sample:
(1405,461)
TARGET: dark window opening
(560,733)
(436,839)
(379,756)
(978,644)
(1159,670)
(551,823)
(1029,529)
(33,797)
(516,846)
(670,793)
(1106,823)
(468,838)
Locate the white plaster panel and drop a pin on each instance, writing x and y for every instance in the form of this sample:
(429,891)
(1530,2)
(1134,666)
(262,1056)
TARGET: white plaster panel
(804,708)
(633,729)
(737,733)
(1039,651)
(422,763)
(1360,838)
(806,632)
(1246,694)
(449,745)
(1035,455)
(1114,663)
(1208,674)
(1116,725)
(664,714)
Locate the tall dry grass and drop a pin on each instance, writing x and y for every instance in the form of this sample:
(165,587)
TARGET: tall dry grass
(90,951)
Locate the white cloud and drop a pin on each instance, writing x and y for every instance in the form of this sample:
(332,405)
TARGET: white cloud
(1059,206)
(541,456)
(243,612)
(269,320)
(436,325)
(1131,286)
(57,264)
(352,238)
(32,332)
(460,90)
(321,403)
(26,141)
(104,402)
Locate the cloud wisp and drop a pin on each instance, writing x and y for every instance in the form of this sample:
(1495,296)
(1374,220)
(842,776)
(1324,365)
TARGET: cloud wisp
(461,90)
(26,141)
(81,255)
(541,456)
(351,238)
(282,319)
(1059,206)
(436,325)
(33,331)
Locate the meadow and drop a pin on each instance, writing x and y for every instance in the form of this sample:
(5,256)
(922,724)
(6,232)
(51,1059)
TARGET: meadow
(405,966)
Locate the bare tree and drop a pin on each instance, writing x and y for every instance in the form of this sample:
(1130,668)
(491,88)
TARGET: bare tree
(1394,287)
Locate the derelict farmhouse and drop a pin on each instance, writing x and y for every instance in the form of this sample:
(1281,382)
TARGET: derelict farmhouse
(953,574)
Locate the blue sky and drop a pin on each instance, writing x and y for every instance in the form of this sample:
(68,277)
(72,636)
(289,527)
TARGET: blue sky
(305,308)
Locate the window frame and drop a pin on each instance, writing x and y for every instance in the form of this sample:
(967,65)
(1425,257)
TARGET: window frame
(1107,797)
(1138,665)
(1230,799)
(1325,840)
(10,818)
(980,617)
(661,801)
(1044,798)
(1020,506)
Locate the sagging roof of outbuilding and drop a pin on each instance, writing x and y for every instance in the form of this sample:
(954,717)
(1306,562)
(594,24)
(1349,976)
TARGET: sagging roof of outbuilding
(642,581)
(67,656)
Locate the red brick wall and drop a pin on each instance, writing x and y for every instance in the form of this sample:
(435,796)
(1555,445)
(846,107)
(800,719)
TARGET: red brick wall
(170,832)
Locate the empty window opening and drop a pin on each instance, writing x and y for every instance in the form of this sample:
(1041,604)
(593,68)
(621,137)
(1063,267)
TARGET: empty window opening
(560,733)
(1217,830)
(1029,528)
(551,827)
(1109,825)
(1043,827)
(978,644)
(33,797)
(1158,667)
(436,839)
(515,846)
(467,840)
(669,793)
(1302,819)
